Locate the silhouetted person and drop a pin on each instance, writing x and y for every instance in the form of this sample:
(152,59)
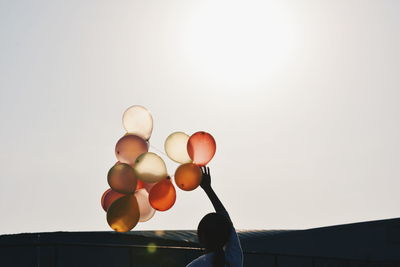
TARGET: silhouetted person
(216,233)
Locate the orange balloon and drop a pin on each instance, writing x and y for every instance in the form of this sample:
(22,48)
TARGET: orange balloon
(123,214)
(201,148)
(163,195)
(129,147)
(122,179)
(109,197)
(188,176)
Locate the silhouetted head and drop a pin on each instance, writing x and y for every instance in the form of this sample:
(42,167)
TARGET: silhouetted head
(214,231)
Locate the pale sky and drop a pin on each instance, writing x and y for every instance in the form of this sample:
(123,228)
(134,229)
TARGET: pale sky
(302,98)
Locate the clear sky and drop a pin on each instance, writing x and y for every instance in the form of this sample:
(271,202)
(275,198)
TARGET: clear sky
(302,98)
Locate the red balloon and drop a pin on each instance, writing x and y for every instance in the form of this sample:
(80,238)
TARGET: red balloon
(109,197)
(163,195)
(139,185)
(201,148)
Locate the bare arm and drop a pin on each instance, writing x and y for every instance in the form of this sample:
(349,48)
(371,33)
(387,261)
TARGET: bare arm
(206,185)
(233,249)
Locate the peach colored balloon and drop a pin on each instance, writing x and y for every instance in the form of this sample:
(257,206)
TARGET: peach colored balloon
(123,214)
(176,147)
(109,197)
(150,168)
(201,148)
(129,148)
(163,195)
(138,120)
(122,179)
(145,209)
(188,176)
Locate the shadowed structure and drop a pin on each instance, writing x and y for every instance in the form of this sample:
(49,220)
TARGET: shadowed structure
(375,243)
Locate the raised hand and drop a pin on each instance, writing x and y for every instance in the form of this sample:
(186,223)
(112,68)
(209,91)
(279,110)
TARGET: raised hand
(206,185)
(206,178)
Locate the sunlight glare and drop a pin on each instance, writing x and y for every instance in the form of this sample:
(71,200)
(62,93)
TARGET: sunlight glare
(238,42)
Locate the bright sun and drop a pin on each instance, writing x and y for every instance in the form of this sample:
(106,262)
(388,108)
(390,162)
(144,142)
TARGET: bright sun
(238,43)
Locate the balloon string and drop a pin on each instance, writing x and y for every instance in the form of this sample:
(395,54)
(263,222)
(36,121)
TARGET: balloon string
(158,150)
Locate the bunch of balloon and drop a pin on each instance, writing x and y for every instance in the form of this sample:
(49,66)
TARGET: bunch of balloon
(137,177)
(191,152)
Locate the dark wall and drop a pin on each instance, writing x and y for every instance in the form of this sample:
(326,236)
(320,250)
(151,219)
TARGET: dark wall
(107,256)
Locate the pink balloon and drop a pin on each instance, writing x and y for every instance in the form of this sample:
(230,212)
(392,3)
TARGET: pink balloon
(145,209)
(108,197)
(201,148)
(129,147)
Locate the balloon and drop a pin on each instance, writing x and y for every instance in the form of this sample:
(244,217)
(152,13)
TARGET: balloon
(188,176)
(149,186)
(176,147)
(123,214)
(139,185)
(109,197)
(122,179)
(129,147)
(145,209)
(150,168)
(163,195)
(138,120)
(201,148)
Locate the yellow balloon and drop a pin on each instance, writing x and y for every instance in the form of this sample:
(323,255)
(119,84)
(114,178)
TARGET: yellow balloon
(176,147)
(150,168)
(138,120)
(145,209)
(123,214)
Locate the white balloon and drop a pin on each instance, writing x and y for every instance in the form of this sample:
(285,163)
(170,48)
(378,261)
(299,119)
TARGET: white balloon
(176,147)
(150,168)
(145,209)
(138,120)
